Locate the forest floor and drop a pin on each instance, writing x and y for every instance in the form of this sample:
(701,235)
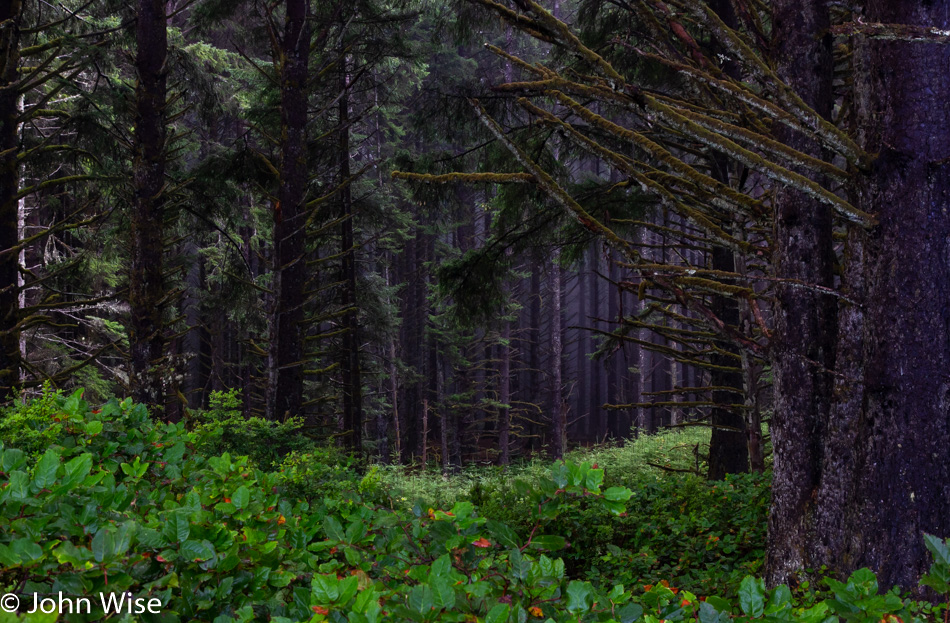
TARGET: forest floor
(106,499)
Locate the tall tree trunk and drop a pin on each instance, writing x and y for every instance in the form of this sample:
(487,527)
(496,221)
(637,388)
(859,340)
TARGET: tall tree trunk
(534,351)
(613,319)
(884,467)
(805,331)
(558,412)
(146,277)
(9,188)
(728,445)
(583,348)
(728,449)
(350,363)
(597,398)
(504,394)
(285,360)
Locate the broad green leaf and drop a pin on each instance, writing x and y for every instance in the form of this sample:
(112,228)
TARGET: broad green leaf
(325,588)
(8,558)
(13,458)
(498,614)
(938,547)
(103,545)
(44,474)
(176,528)
(595,478)
(752,596)
(579,597)
(503,534)
(421,598)
(629,613)
(708,614)
(333,528)
(549,542)
(443,593)
(19,485)
(78,468)
(196,551)
(618,494)
(440,568)
(241,497)
(348,588)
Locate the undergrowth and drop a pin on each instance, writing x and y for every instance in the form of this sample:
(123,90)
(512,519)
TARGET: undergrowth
(116,502)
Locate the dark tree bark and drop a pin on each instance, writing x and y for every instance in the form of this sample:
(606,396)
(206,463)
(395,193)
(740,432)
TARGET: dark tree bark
(728,445)
(805,331)
(728,449)
(597,398)
(612,361)
(9,187)
(285,360)
(583,348)
(882,470)
(350,357)
(147,291)
(558,411)
(504,395)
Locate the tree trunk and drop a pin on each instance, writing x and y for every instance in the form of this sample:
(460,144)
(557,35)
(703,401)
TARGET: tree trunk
(558,414)
(728,449)
(728,445)
(146,277)
(885,463)
(534,353)
(285,365)
(805,331)
(9,187)
(350,363)
(504,394)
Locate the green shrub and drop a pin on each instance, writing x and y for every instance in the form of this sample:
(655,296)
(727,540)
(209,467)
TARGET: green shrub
(32,426)
(320,473)
(120,502)
(223,428)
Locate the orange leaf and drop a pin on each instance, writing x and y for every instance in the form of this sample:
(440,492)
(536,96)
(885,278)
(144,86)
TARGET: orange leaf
(482,542)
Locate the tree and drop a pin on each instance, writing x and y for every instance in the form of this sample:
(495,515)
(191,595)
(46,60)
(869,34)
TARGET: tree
(286,361)
(861,360)
(872,476)
(147,290)
(10,15)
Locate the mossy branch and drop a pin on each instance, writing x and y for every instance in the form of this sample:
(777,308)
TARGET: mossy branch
(469,178)
(553,189)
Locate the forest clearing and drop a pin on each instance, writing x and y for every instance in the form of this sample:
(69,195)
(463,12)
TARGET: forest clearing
(475,310)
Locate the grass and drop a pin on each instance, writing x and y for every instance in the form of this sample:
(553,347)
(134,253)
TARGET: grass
(624,464)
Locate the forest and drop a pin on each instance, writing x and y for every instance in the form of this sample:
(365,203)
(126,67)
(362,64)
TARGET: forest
(475,310)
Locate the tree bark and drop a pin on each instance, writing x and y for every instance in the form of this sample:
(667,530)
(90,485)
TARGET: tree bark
(558,412)
(285,360)
(147,290)
(504,395)
(350,360)
(886,458)
(9,186)
(806,327)
(728,449)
